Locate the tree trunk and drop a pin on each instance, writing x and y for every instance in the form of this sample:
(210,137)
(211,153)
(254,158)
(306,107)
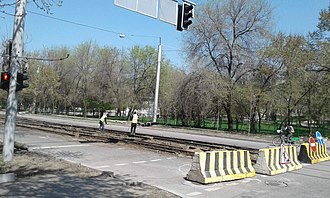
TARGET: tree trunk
(230,119)
(228,110)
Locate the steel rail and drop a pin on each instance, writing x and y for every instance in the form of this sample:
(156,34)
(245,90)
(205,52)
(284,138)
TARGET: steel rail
(153,142)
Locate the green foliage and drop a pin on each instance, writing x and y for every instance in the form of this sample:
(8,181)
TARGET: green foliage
(243,127)
(240,77)
(324,20)
(93,104)
(142,74)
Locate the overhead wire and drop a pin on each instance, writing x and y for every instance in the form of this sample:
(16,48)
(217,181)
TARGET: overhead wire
(89,26)
(64,20)
(97,28)
(4,12)
(93,27)
(74,23)
(7,4)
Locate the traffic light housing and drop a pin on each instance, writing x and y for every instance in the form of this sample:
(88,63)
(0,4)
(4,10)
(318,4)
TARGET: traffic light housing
(188,13)
(5,79)
(185,14)
(21,77)
(20,84)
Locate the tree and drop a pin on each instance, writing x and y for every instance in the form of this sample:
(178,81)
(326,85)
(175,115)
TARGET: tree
(290,56)
(44,83)
(46,5)
(170,80)
(223,36)
(110,77)
(142,72)
(64,71)
(324,21)
(319,46)
(194,98)
(84,68)
(260,88)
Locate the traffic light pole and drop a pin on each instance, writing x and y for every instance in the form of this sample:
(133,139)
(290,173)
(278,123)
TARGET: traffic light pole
(154,119)
(17,54)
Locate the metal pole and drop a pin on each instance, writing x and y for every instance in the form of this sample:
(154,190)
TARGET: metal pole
(157,80)
(16,62)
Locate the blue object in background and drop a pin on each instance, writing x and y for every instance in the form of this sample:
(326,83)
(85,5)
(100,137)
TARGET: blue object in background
(319,138)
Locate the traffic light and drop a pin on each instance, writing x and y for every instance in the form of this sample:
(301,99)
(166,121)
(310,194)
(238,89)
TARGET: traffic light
(5,79)
(21,77)
(188,12)
(185,14)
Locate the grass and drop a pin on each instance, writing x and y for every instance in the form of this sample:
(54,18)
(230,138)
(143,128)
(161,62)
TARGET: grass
(266,127)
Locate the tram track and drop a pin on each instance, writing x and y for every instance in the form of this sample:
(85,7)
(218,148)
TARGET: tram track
(158,143)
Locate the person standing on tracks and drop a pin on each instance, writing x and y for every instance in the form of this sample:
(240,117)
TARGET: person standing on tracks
(103,120)
(135,119)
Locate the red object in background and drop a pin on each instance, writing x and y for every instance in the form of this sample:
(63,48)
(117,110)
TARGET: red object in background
(312,144)
(5,76)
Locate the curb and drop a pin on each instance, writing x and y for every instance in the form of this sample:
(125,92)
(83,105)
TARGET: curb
(7,177)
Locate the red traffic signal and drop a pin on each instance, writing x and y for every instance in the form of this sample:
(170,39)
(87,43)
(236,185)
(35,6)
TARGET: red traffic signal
(20,84)
(5,76)
(5,79)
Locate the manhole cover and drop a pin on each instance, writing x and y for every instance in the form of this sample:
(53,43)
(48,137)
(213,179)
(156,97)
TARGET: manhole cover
(276,183)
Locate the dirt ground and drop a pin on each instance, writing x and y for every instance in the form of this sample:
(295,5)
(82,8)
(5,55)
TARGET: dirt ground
(34,170)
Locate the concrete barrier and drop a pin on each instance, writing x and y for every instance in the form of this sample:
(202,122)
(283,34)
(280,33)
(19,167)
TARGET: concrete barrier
(293,156)
(306,155)
(269,160)
(218,166)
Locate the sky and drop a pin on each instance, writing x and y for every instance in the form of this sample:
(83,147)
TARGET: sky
(42,31)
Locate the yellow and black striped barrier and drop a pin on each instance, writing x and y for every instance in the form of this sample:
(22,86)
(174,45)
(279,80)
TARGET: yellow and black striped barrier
(273,161)
(218,166)
(307,155)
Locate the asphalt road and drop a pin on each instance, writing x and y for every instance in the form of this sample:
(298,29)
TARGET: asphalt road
(168,171)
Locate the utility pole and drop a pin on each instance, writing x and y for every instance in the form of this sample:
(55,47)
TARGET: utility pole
(154,119)
(15,65)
